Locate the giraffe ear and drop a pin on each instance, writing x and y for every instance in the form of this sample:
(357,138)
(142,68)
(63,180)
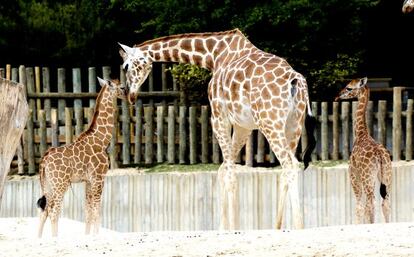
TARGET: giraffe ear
(103,82)
(128,50)
(363,82)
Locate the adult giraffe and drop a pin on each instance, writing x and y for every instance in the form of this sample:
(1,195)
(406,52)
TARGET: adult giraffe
(249,89)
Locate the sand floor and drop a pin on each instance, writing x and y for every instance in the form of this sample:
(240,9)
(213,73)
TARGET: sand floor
(18,238)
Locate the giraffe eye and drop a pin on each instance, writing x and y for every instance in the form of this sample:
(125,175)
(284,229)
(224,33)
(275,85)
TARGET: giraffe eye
(348,89)
(126,66)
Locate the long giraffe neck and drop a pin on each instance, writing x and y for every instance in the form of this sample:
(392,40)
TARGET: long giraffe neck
(103,120)
(207,50)
(360,124)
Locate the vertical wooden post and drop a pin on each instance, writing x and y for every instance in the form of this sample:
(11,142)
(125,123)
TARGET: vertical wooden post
(31,89)
(20,149)
(193,135)
(382,122)
(345,130)
(204,134)
(42,132)
(54,122)
(160,133)
(151,86)
(14,74)
(171,135)
(183,134)
(335,130)
(149,130)
(260,147)
(409,131)
(46,89)
(106,72)
(314,155)
(396,124)
(126,128)
(324,132)
(38,88)
(68,125)
(249,151)
(77,105)
(8,71)
(92,85)
(138,132)
(164,81)
(30,143)
(61,77)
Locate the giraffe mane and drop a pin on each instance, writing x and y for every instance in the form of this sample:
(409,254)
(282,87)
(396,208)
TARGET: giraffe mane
(180,36)
(94,116)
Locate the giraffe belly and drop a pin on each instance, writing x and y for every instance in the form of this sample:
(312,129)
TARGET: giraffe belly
(243,119)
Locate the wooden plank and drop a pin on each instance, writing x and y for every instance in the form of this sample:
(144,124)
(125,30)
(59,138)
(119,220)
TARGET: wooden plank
(171,135)
(260,157)
(396,124)
(77,103)
(92,85)
(160,133)
(204,134)
(324,132)
(30,86)
(138,132)
(42,132)
(55,127)
(46,89)
(126,128)
(335,131)
(182,150)
(106,72)
(149,133)
(382,117)
(314,155)
(409,130)
(30,143)
(37,87)
(61,77)
(8,71)
(20,147)
(68,125)
(15,74)
(193,134)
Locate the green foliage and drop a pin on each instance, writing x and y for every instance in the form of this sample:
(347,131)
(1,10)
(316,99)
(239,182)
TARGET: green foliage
(193,80)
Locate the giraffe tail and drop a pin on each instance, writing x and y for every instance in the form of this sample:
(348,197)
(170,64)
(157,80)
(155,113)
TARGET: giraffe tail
(41,202)
(310,125)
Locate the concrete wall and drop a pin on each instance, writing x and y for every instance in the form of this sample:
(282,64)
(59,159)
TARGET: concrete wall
(189,201)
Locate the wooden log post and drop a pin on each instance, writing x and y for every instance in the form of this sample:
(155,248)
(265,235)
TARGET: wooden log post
(126,128)
(77,104)
(8,71)
(149,131)
(396,124)
(160,133)
(138,132)
(61,77)
(38,88)
(335,131)
(324,132)
(13,115)
(30,144)
(204,134)
(46,89)
(20,148)
(68,125)
(42,132)
(30,86)
(171,135)
(92,85)
(314,155)
(345,130)
(182,121)
(260,158)
(382,122)
(15,74)
(409,130)
(193,134)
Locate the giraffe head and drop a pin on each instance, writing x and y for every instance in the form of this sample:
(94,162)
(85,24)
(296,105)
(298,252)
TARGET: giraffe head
(115,87)
(137,67)
(353,89)
(408,6)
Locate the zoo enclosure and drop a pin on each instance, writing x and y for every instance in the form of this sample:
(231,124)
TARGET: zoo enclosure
(160,127)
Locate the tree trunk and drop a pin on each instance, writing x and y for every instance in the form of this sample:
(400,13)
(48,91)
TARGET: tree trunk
(13,116)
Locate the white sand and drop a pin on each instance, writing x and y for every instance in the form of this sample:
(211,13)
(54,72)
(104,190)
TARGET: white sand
(17,238)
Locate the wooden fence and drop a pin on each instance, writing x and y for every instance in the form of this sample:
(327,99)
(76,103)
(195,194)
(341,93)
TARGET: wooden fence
(159,128)
(189,201)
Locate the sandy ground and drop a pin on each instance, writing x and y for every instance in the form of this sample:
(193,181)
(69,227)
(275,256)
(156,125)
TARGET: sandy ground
(17,238)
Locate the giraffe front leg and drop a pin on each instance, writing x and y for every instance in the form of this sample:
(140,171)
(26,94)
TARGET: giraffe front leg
(93,205)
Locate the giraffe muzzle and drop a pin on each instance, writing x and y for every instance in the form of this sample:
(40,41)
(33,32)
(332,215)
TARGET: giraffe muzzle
(132,97)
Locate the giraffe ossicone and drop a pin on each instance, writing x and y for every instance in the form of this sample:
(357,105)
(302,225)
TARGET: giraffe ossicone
(249,89)
(369,161)
(84,160)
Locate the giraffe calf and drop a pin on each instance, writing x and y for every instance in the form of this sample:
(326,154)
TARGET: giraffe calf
(84,160)
(368,160)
